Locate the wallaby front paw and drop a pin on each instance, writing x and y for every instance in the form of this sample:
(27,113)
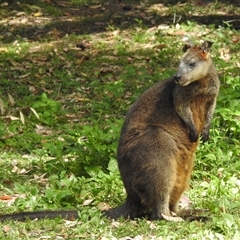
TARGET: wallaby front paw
(193,136)
(205,135)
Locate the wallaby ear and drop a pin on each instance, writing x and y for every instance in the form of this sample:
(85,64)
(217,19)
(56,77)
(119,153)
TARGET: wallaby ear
(186,47)
(206,46)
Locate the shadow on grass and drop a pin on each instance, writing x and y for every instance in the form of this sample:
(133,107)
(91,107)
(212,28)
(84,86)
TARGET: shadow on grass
(64,18)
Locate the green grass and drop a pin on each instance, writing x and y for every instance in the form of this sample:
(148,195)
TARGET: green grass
(62,154)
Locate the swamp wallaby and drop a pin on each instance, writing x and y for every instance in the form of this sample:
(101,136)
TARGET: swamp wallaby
(160,135)
(158,140)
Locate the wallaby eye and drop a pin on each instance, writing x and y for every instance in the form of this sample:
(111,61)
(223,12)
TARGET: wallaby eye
(192,64)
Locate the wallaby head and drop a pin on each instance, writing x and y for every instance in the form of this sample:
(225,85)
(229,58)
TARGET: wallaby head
(195,63)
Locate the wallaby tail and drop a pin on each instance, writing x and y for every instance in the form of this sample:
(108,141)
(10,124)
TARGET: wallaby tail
(23,216)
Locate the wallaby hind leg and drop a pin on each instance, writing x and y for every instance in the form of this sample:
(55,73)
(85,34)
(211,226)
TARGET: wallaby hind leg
(181,183)
(161,186)
(165,181)
(161,207)
(153,194)
(134,207)
(175,197)
(150,174)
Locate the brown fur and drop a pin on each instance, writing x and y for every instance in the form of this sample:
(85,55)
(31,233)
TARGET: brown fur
(160,135)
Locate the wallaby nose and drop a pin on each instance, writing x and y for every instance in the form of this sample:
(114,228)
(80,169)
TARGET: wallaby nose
(177,78)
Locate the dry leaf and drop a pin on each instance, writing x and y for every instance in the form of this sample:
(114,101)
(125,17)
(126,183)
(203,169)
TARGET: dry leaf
(79,61)
(115,224)
(103,206)
(71,224)
(3,49)
(25,75)
(38,14)
(24,20)
(151,225)
(33,89)
(11,99)
(55,33)
(35,113)
(95,6)
(22,171)
(67,14)
(18,14)
(22,117)
(5,197)
(87,202)
(43,130)
(11,118)
(2,106)
(235,39)
(176,33)
(6,228)
(99,23)
(185,202)
(173,219)
(225,54)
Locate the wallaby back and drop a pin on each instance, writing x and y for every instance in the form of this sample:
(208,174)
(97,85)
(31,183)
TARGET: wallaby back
(159,136)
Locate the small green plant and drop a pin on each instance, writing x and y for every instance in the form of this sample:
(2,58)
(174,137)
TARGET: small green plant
(47,109)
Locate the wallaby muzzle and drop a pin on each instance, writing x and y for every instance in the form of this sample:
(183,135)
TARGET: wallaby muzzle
(177,78)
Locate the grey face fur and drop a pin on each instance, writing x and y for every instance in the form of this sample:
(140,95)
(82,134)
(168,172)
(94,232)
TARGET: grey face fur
(192,68)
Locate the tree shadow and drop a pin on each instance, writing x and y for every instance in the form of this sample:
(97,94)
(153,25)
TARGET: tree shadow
(88,19)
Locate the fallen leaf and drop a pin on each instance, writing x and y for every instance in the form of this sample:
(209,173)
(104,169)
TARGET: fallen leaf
(6,228)
(3,49)
(185,202)
(43,130)
(176,33)
(5,197)
(235,39)
(87,202)
(225,54)
(99,23)
(33,89)
(171,218)
(95,6)
(152,225)
(35,113)
(18,14)
(71,223)
(103,206)
(79,61)
(22,118)
(38,14)
(24,76)
(67,14)
(11,99)
(11,118)
(115,224)
(2,106)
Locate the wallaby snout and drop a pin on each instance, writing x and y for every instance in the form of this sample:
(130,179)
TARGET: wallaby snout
(177,77)
(181,79)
